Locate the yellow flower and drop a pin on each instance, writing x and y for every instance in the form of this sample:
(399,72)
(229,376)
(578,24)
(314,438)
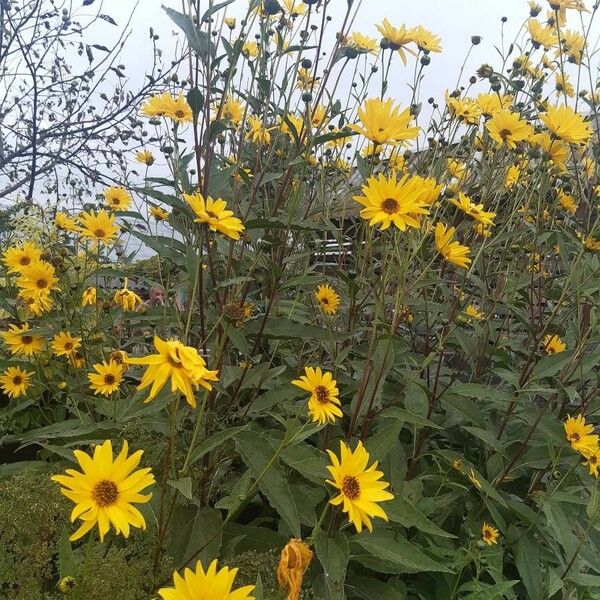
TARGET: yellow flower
(450,249)
(489,534)
(66,585)
(36,282)
(182,364)
(457,169)
(563,85)
(295,560)
(98,226)
(425,40)
(512,177)
(397,38)
(230,22)
(360,488)
(36,304)
(592,460)
(557,150)
(305,79)
(591,244)
(473,312)
(294,7)
(257,134)
(16,258)
(64,344)
(145,157)
(88,296)
(107,379)
(552,344)
(250,49)
(384,122)
(324,403)
(430,189)
(474,210)
(297,124)
(473,479)
(328,299)
(15,381)
(482,230)
(158,213)
(318,116)
(492,103)
(20,341)
(564,123)
(507,129)
(233,110)
(106,491)
(215,214)
(127,299)
(388,201)
(64,221)
(211,584)
(117,198)
(581,436)
(463,109)
(567,202)
(362,43)
(166,105)
(541,35)
(573,45)
(457,464)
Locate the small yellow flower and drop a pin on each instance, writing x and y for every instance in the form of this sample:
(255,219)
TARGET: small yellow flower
(66,585)
(327,299)
(592,461)
(127,299)
(16,258)
(457,464)
(472,312)
(385,122)
(450,249)
(257,133)
(507,129)
(65,222)
(64,344)
(20,341)
(552,344)
(473,479)
(250,49)
(397,38)
(324,402)
(230,22)
(107,379)
(567,202)
(425,39)
(15,381)
(214,213)
(158,213)
(98,226)
(580,435)
(145,157)
(489,534)
(88,297)
(474,210)
(295,560)
(564,123)
(117,198)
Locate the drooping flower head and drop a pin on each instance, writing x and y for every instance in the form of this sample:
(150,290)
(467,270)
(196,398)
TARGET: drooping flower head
(215,214)
(324,402)
(127,299)
(293,563)
(106,490)
(88,297)
(452,250)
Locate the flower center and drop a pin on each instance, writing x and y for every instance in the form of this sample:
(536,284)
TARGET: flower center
(180,114)
(389,206)
(592,459)
(211,214)
(105,493)
(69,346)
(487,534)
(26,339)
(324,300)
(109,379)
(575,437)
(505,133)
(351,487)
(24,260)
(322,394)
(17,380)
(42,283)
(99,233)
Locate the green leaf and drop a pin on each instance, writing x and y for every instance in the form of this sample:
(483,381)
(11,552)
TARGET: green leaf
(288,328)
(527,561)
(333,554)
(401,414)
(197,39)
(487,437)
(383,440)
(491,591)
(395,549)
(367,588)
(400,510)
(184,486)
(195,99)
(215,8)
(214,441)
(66,560)
(257,453)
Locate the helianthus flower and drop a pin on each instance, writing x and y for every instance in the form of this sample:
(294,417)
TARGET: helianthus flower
(16,258)
(489,534)
(211,584)
(491,103)
(465,110)
(328,299)
(37,280)
(182,364)
(215,214)
(106,491)
(35,303)
(473,312)
(388,201)
(127,299)
(257,133)
(294,7)
(63,221)
(564,123)
(233,110)
(474,210)
(557,150)
(450,249)
(158,213)
(507,129)
(15,381)
(541,35)
(362,43)
(425,39)
(482,230)
(473,479)
(293,563)
(592,461)
(324,403)
(512,177)
(552,344)
(430,189)
(318,116)
(305,80)
(456,168)
(360,490)
(384,122)
(145,157)
(157,106)
(396,37)
(567,202)
(230,22)
(179,110)
(564,86)
(117,198)
(64,344)
(573,45)
(98,226)
(107,379)
(580,435)
(20,341)
(88,297)
(250,49)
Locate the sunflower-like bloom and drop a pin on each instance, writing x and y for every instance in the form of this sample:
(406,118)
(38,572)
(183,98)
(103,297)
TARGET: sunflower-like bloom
(573,45)
(465,110)
(324,402)
(430,189)
(305,80)
(98,226)
(508,129)
(388,201)
(166,105)
(593,461)
(158,213)
(472,312)
(396,37)
(64,344)
(450,249)
(564,86)
(182,364)
(212,584)
(567,201)
(117,198)
(552,344)
(127,299)
(541,35)
(88,297)
(293,563)
(318,116)
(215,214)
(473,210)
(106,491)
(20,341)
(257,132)
(360,488)
(233,110)
(297,125)
(581,436)
(16,258)
(107,379)
(557,150)
(512,177)
(145,157)
(489,534)
(567,125)
(250,49)
(179,110)
(362,43)
(63,221)
(425,39)
(15,381)
(328,299)
(157,106)
(383,122)
(35,284)
(491,103)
